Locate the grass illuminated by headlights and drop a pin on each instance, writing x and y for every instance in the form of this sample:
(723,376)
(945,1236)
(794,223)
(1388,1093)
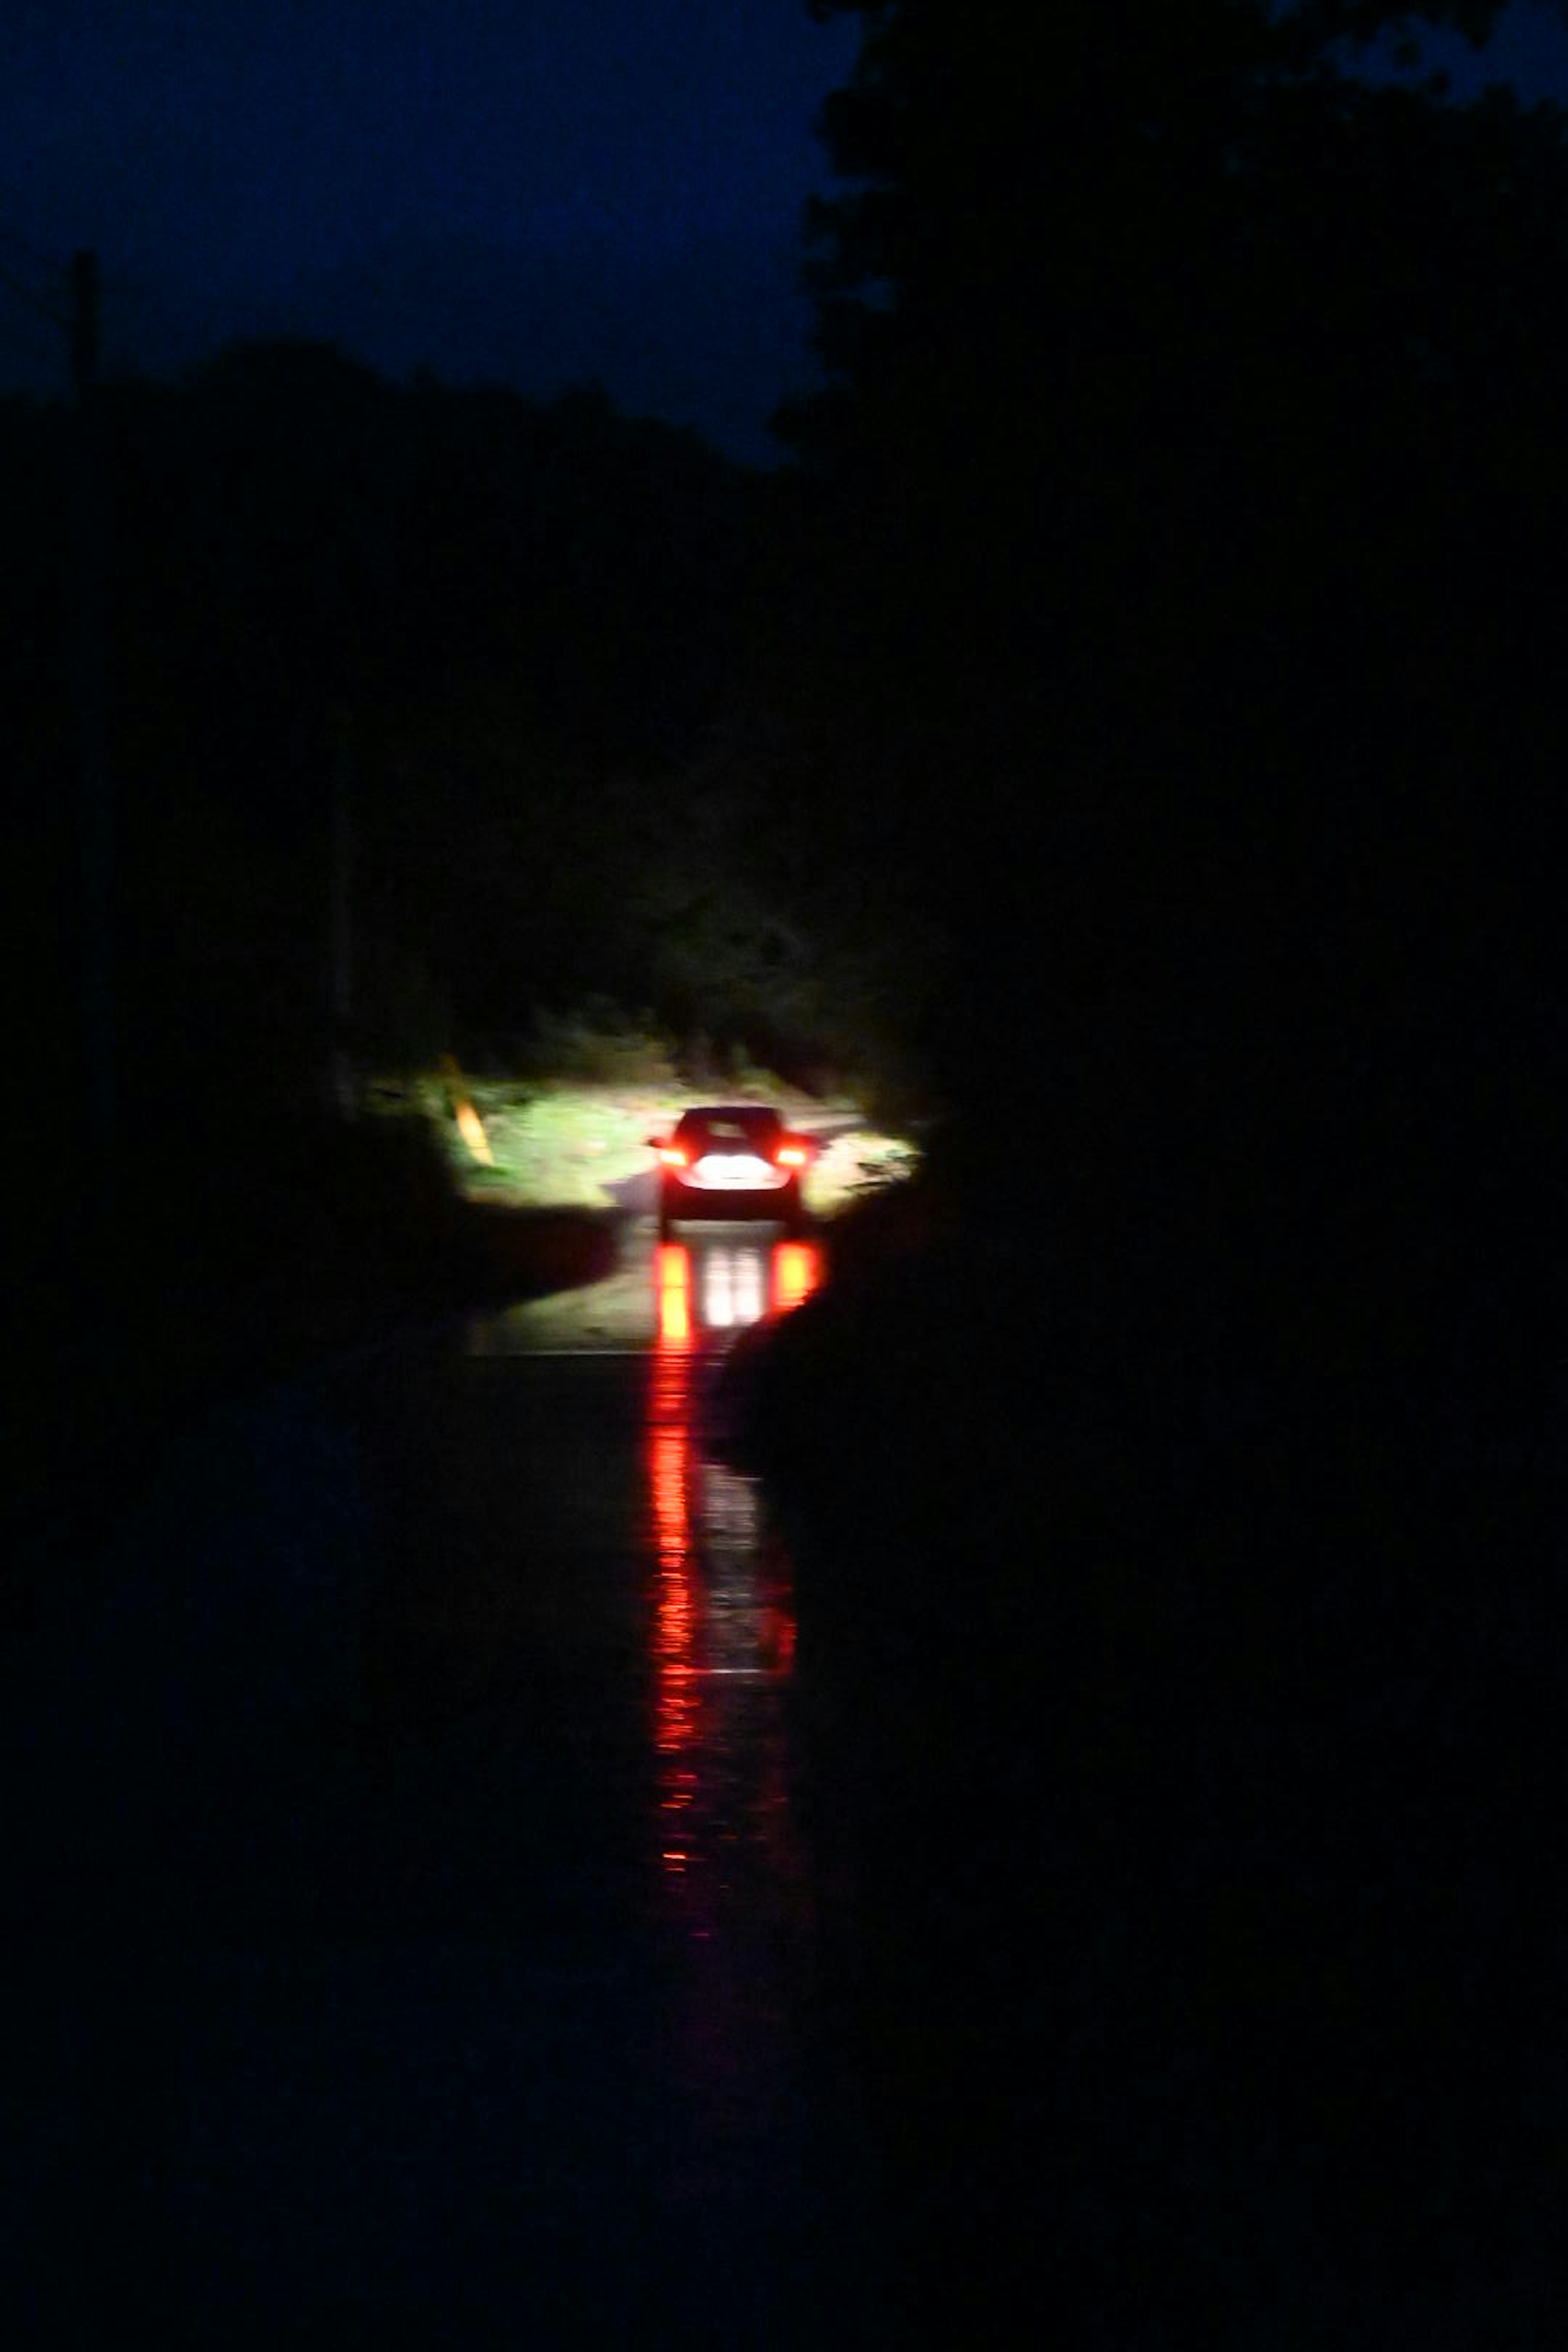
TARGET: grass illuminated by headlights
(573,1146)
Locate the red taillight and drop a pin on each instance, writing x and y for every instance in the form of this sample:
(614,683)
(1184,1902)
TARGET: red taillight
(672,1155)
(791,1155)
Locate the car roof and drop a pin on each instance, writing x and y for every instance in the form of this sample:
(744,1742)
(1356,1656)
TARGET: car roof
(738,1112)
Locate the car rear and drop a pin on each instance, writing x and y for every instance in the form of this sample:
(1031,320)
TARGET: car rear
(731,1162)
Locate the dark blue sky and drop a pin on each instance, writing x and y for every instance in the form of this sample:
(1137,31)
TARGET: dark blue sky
(541,192)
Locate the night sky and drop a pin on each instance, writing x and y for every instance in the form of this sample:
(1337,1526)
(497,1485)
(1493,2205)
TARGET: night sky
(542,192)
(536,192)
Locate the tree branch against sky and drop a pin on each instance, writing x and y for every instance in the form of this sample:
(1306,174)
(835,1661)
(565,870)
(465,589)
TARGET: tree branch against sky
(1083,158)
(1130,53)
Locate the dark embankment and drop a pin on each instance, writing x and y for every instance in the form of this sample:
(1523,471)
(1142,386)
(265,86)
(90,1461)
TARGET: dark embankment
(253,1262)
(1178,1725)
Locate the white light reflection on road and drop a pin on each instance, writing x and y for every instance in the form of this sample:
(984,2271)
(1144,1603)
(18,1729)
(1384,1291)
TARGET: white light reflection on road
(733,1291)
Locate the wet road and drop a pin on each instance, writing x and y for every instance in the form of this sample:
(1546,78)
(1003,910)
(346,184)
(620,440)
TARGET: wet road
(414,1938)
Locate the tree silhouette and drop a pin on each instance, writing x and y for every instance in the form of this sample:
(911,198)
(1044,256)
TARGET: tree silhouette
(1190,473)
(1188,496)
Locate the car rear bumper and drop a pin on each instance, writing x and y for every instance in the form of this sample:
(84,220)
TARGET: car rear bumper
(779,1197)
(776,1179)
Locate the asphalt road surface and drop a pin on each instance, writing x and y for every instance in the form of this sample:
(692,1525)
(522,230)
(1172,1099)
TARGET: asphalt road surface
(413,1939)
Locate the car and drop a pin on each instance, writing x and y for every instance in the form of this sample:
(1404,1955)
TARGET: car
(731,1159)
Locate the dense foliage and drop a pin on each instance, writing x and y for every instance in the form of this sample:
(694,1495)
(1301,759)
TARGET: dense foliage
(1178,1481)
(486,635)
(1192,478)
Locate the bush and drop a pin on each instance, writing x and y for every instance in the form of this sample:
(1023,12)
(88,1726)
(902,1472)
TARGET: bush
(598,1043)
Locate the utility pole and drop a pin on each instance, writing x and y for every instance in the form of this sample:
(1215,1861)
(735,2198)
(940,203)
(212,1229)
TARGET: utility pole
(95,786)
(341,1072)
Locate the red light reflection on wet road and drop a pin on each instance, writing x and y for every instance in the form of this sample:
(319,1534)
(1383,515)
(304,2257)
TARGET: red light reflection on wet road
(797,1270)
(672,1285)
(722,1621)
(675,1610)
(713,1288)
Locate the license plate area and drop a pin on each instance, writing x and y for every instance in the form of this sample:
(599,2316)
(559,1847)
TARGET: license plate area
(733,1172)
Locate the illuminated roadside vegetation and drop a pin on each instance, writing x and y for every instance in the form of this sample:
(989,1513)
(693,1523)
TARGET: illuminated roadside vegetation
(561,1143)
(569,1127)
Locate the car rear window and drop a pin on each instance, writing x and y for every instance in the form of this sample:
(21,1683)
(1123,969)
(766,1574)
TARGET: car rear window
(728,1127)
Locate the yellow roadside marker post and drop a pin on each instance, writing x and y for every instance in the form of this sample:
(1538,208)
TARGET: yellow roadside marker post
(470,1126)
